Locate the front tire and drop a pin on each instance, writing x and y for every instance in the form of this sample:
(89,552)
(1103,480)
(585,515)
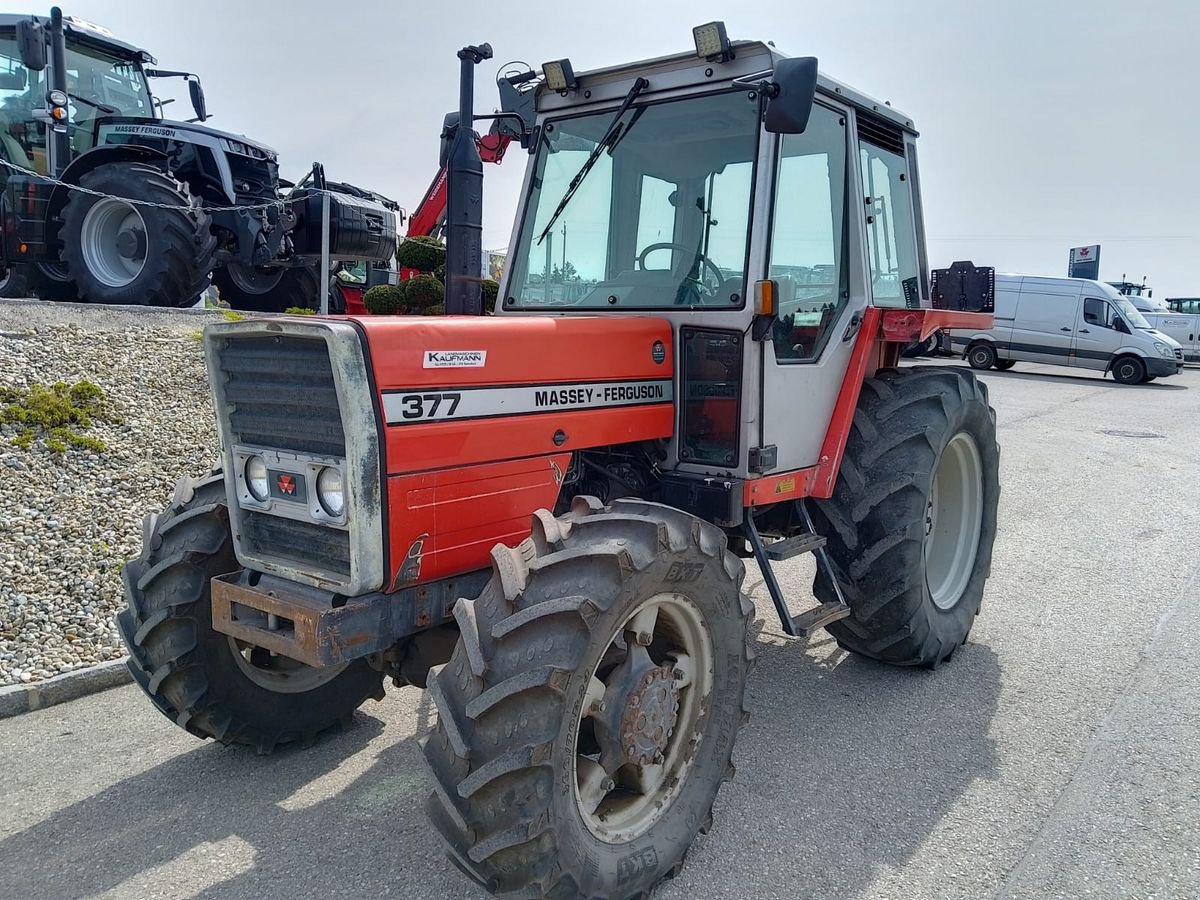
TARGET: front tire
(912,520)
(1004,364)
(1128,370)
(199,678)
(267,289)
(580,743)
(981,356)
(133,253)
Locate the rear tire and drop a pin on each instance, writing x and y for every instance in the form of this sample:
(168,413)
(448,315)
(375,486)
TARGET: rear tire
(981,356)
(921,437)
(15,282)
(1128,370)
(1004,364)
(508,755)
(192,673)
(266,289)
(134,254)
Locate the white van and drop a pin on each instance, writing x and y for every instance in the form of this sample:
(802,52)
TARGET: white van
(1179,319)
(1070,322)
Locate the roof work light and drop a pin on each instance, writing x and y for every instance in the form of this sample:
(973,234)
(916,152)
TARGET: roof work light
(559,75)
(712,43)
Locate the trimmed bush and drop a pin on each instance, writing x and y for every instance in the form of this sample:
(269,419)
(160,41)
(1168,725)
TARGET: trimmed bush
(386,300)
(422,292)
(423,253)
(438,309)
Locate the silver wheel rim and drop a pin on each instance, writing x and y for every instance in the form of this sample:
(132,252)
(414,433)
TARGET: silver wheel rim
(254,280)
(113,242)
(278,673)
(659,690)
(953,520)
(980,358)
(1127,371)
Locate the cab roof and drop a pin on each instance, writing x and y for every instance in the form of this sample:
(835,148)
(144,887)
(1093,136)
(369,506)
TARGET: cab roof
(680,70)
(86,32)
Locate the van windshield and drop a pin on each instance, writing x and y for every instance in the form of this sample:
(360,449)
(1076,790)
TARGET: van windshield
(1131,314)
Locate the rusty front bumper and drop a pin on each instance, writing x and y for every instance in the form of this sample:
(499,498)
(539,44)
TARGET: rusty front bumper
(323,629)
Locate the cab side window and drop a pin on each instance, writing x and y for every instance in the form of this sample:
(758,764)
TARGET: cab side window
(1097,312)
(21,140)
(891,236)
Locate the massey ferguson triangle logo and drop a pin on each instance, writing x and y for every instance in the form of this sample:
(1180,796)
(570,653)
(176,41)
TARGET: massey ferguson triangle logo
(1085,251)
(286,484)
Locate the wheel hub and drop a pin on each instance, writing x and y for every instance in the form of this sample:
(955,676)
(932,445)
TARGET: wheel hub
(648,720)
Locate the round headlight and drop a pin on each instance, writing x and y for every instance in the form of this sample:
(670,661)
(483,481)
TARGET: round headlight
(330,492)
(256,478)
(57,98)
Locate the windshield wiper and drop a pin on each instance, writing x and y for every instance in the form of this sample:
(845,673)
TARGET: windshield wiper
(610,133)
(103,107)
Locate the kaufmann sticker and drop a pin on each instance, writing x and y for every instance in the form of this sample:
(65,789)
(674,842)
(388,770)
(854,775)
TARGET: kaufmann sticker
(455,359)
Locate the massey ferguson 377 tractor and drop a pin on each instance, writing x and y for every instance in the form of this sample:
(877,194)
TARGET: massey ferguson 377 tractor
(541,516)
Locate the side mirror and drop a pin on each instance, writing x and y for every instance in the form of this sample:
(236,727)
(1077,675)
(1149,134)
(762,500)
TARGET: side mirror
(795,85)
(31,41)
(1091,318)
(196,92)
(1118,324)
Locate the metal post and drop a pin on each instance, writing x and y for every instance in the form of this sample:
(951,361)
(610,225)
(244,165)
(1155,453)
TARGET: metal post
(61,140)
(464,201)
(549,263)
(325,253)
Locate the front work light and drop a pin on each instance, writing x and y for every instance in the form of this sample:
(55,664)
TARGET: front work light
(256,478)
(712,43)
(330,491)
(559,75)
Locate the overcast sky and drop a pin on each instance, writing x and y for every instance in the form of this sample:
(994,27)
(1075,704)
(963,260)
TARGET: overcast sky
(1044,124)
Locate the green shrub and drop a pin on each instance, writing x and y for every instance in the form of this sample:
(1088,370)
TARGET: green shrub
(438,309)
(300,311)
(386,300)
(423,253)
(440,273)
(54,413)
(490,291)
(422,292)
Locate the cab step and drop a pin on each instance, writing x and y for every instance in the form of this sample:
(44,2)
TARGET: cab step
(807,623)
(818,617)
(793,546)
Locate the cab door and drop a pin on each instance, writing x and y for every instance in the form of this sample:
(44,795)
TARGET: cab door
(844,232)
(1097,336)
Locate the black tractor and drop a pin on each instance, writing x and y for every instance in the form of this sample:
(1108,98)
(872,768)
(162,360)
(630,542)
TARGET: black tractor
(106,201)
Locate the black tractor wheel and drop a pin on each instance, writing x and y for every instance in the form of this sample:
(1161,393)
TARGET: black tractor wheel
(269,289)
(50,281)
(912,519)
(981,356)
(132,253)
(587,716)
(15,282)
(1005,364)
(203,680)
(1128,370)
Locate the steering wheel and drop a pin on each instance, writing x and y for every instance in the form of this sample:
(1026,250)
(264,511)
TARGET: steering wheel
(704,261)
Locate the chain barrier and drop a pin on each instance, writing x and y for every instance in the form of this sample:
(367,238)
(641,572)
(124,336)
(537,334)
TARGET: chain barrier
(269,204)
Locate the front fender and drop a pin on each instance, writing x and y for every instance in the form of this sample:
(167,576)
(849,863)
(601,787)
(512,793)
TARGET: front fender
(92,159)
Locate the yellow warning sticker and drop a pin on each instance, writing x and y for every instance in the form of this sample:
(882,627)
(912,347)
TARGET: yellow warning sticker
(786,486)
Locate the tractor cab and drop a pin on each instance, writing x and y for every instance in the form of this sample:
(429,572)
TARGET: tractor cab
(758,206)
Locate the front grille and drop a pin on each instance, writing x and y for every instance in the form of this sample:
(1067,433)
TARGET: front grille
(253,179)
(305,544)
(280,393)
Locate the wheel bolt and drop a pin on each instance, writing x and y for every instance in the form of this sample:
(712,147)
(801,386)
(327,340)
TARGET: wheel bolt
(598,706)
(645,638)
(658,759)
(609,784)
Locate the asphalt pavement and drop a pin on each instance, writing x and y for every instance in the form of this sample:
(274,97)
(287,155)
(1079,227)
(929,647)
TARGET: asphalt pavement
(1055,756)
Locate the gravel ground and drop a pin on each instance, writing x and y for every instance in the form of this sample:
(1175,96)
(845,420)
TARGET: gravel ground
(68,522)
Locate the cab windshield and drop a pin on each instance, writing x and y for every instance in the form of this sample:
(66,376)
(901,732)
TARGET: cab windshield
(1130,312)
(101,82)
(660,220)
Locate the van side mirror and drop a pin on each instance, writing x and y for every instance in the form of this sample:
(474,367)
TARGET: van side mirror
(794,85)
(31,42)
(1118,324)
(1091,318)
(196,92)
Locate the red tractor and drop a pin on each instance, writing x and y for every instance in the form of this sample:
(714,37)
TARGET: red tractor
(542,516)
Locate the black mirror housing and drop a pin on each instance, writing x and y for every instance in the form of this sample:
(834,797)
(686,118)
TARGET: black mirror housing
(196,92)
(31,42)
(795,86)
